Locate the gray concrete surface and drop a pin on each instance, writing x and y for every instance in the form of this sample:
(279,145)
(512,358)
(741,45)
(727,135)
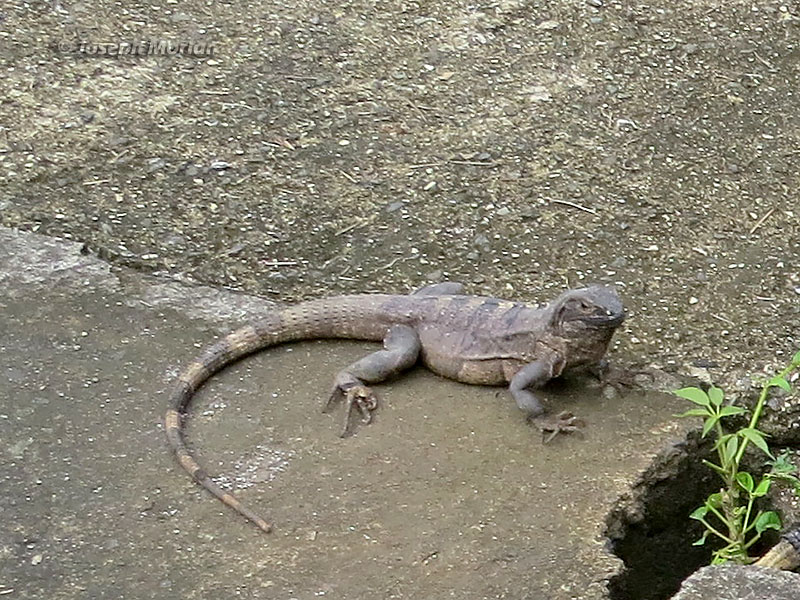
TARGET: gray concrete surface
(447,494)
(731,582)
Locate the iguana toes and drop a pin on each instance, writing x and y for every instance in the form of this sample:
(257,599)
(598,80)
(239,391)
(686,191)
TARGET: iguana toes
(467,338)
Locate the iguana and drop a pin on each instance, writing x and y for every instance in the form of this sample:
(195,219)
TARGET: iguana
(472,339)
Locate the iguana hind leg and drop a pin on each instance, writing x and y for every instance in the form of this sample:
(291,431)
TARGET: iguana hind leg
(401,349)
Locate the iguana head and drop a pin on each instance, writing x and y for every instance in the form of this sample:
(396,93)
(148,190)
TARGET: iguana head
(593,307)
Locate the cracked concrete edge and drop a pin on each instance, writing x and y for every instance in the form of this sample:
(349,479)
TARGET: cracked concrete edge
(736,582)
(30,261)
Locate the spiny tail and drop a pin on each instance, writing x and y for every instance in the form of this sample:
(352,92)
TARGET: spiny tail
(227,350)
(786,553)
(354,317)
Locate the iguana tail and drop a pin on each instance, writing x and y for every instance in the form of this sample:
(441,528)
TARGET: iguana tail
(786,553)
(352,317)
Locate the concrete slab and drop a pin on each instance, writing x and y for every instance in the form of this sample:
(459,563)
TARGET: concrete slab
(447,494)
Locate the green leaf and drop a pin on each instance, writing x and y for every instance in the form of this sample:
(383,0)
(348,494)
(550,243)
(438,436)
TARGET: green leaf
(783,465)
(780,382)
(699,513)
(695,412)
(702,540)
(796,359)
(745,480)
(722,440)
(715,395)
(739,511)
(693,394)
(757,437)
(730,448)
(763,487)
(783,470)
(709,424)
(727,411)
(714,500)
(768,520)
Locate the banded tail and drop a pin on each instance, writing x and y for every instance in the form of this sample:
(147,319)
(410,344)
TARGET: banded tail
(785,554)
(351,317)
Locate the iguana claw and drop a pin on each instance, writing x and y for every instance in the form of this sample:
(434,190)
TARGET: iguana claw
(564,422)
(361,398)
(357,397)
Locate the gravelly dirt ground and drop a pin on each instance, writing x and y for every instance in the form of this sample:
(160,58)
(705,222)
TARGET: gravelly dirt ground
(354,146)
(332,147)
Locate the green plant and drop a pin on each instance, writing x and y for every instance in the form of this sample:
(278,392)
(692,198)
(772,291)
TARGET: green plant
(731,514)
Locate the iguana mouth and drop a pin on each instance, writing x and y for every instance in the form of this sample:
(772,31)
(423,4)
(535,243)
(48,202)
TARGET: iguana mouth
(606,319)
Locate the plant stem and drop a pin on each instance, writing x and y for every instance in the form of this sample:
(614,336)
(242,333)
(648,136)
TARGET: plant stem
(715,532)
(762,398)
(719,515)
(747,514)
(721,446)
(752,541)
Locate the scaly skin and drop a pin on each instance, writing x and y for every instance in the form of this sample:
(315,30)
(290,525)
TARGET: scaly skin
(472,339)
(785,554)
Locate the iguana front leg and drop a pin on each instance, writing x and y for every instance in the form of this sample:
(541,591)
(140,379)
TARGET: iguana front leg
(535,375)
(401,349)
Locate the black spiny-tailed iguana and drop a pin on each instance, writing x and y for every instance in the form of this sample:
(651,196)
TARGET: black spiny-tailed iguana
(471,339)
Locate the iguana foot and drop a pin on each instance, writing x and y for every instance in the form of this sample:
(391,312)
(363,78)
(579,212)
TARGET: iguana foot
(357,397)
(362,399)
(564,422)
